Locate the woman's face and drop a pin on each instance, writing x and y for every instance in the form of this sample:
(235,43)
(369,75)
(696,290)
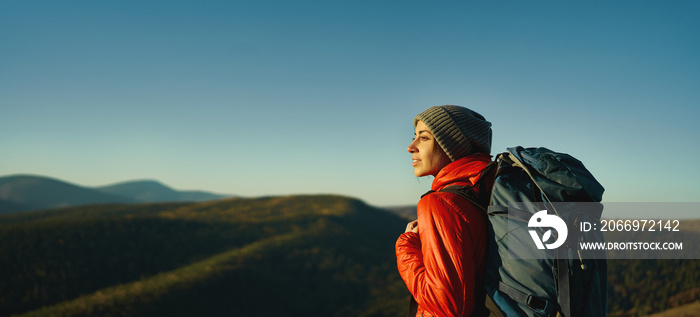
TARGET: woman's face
(427,155)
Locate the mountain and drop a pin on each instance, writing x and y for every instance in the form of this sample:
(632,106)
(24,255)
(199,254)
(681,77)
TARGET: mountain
(313,255)
(153,191)
(406,212)
(30,192)
(7,206)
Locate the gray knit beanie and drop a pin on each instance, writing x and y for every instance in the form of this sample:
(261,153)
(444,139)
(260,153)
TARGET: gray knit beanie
(458,130)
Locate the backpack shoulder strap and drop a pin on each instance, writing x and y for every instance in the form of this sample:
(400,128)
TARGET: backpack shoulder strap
(480,200)
(469,194)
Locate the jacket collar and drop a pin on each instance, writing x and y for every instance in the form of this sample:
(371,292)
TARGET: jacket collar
(464,171)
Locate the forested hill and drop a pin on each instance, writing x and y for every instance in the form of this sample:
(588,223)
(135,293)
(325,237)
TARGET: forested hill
(314,255)
(277,256)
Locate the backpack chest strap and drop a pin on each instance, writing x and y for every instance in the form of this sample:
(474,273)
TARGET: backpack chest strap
(533,302)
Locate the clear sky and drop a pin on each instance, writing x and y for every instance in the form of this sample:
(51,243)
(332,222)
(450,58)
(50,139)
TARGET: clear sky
(285,97)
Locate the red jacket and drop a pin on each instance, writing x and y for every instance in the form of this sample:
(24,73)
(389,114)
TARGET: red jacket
(443,264)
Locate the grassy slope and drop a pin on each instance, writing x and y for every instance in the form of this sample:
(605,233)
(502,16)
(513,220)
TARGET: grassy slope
(688,310)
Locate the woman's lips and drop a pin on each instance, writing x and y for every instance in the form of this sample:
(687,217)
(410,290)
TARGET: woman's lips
(415,162)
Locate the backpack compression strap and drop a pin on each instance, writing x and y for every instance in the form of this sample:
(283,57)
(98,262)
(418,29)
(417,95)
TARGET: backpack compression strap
(560,258)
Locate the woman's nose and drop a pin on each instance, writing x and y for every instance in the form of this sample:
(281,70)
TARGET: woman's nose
(412,148)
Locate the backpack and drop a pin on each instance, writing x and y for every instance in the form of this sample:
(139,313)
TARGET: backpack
(563,282)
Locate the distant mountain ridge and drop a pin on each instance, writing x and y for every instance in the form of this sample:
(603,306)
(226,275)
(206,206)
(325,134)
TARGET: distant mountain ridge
(33,192)
(154,191)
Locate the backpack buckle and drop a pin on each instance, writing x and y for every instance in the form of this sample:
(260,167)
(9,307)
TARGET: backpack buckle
(536,302)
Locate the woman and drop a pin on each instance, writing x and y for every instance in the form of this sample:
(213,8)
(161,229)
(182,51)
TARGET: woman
(440,257)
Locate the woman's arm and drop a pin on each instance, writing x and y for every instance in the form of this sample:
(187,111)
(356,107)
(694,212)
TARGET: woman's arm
(431,262)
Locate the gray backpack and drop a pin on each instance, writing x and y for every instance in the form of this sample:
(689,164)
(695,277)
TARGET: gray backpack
(563,283)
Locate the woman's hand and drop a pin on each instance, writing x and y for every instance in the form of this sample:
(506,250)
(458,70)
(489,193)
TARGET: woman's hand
(412,226)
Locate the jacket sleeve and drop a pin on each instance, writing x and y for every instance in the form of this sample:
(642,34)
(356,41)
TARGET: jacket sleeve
(432,264)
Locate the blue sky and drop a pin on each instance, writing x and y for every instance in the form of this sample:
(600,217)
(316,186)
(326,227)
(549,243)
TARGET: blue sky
(285,97)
